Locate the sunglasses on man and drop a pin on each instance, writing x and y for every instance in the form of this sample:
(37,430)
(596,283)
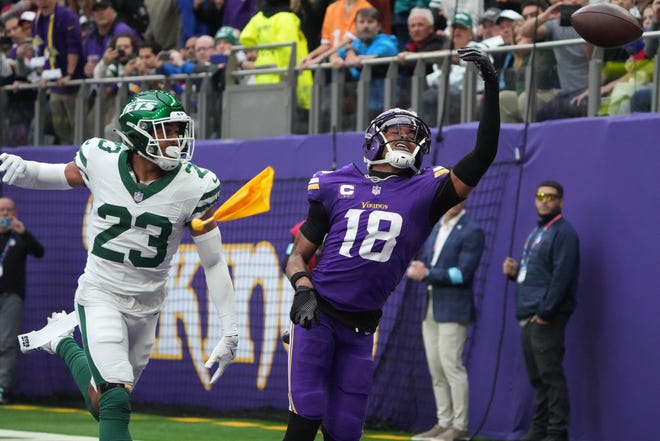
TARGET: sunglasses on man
(550,197)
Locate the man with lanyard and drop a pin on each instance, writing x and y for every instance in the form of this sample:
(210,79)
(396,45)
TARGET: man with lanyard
(57,36)
(546,285)
(16,243)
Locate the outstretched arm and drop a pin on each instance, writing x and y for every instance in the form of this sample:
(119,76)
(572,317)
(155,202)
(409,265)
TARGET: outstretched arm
(221,293)
(466,173)
(39,175)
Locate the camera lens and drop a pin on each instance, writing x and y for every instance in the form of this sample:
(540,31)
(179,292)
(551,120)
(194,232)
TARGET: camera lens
(121,53)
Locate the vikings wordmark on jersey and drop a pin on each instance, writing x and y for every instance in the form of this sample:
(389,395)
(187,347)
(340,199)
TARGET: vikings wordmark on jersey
(373,222)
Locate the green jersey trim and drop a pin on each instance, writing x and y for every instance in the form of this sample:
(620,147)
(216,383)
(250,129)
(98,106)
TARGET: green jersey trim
(137,192)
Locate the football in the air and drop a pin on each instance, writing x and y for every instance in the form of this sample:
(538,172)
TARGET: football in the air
(606,25)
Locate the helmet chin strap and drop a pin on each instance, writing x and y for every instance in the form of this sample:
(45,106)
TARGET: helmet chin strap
(401,158)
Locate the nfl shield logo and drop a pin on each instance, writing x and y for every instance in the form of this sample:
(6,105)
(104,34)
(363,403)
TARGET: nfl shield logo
(375,190)
(137,196)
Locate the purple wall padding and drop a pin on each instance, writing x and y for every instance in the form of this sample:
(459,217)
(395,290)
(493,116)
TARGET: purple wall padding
(609,168)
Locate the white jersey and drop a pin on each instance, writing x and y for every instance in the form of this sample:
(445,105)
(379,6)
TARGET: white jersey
(134,230)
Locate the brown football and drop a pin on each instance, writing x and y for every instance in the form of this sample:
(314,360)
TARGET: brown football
(606,25)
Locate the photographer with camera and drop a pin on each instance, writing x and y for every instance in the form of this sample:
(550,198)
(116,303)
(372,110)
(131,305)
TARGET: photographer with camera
(123,49)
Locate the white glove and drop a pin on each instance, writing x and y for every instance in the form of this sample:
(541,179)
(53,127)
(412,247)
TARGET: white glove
(13,166)
(223,353)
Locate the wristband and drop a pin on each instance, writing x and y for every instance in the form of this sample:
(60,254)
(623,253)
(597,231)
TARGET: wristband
(297,276)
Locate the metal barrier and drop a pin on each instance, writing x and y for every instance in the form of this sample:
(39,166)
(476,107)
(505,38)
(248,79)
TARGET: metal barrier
(94,107)
(468,95)
(259,110)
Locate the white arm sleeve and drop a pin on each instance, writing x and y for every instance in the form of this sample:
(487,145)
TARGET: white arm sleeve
(218,281)
(31,174)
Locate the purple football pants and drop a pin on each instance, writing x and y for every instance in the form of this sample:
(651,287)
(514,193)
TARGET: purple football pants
(330,377)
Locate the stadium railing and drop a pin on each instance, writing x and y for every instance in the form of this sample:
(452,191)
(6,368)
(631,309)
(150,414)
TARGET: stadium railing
(247,110)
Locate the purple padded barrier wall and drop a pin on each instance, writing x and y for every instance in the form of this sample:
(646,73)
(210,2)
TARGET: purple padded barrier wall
(609,169)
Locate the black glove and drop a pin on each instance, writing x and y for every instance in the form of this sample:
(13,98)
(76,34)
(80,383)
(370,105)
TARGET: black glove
(305,308)
(481,60)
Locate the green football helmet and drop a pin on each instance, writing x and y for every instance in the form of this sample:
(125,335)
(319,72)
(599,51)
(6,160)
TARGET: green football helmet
(155,116)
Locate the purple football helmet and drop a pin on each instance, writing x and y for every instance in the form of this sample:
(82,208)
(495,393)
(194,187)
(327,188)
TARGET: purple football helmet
(409,127)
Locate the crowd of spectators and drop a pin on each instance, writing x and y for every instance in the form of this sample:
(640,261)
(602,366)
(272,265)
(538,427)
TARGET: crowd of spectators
(50,42)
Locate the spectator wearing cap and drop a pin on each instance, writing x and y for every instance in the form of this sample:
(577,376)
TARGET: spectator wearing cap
(487,27)
(224,39)
(107,26)
(57,38)
(474,8)
(462,32)
(25,20)
(505,21)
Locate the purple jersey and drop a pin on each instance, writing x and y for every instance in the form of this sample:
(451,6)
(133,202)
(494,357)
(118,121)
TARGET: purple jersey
(95,44)
(376,228)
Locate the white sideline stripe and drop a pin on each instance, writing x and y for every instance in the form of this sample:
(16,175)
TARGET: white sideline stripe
(15,435)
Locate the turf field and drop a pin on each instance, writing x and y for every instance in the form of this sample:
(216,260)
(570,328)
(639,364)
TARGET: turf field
(146,427)
(23,422)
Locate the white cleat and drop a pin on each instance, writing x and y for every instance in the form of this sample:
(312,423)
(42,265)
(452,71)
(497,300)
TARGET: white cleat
(60,325)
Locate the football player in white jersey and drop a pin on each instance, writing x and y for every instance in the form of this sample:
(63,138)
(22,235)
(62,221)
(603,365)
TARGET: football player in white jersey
(145,193)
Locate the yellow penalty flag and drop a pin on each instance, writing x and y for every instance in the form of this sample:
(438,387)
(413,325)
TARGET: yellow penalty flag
(252,198)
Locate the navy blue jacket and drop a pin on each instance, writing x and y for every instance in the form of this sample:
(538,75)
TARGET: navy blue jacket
(462,250)
(550,282)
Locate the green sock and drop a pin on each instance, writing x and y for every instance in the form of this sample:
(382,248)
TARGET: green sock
(75,359)
(115,405)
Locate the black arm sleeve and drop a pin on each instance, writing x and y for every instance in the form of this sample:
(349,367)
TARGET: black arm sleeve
(475,164)
(317,224)
(445,198)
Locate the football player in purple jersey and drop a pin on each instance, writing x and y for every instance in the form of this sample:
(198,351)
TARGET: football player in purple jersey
(373,225)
